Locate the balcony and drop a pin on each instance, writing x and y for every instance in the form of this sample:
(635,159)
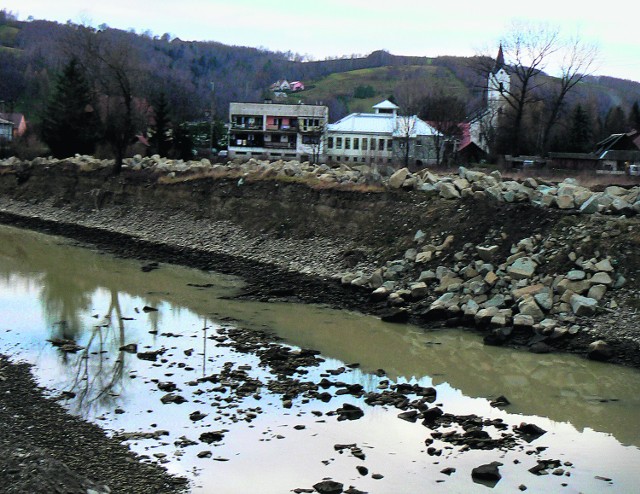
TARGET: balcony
(280,145)
(245,126)
(282,128)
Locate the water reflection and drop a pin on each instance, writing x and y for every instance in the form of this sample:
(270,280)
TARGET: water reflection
(97,301)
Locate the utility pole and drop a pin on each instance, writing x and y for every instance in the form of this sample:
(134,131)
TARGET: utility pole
(213,106)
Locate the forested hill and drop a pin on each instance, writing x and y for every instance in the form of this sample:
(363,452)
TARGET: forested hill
(32,54)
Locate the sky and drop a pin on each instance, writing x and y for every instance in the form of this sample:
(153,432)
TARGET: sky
(333,28)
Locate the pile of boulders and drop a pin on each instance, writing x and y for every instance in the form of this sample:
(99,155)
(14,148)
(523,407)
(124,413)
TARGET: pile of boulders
(479,287)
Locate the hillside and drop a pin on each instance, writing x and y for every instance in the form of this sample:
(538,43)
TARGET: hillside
(32,54)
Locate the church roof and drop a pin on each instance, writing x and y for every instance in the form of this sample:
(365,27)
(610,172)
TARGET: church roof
(499,61)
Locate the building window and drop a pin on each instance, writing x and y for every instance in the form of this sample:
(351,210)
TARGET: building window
(310,139)
(356,143)
(418,142)
(380,144)
(347,142)
(330,142)
(364,143)
(389,144)
(338,142)
(373,144)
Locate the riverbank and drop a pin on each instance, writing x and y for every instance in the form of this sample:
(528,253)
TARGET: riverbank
(540,266)
(397,253)
(43,449)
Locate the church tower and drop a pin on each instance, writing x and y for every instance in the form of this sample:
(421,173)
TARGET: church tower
(498,83)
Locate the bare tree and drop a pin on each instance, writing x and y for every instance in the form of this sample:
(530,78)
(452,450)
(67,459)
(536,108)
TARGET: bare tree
(112,62)
(444,113)
(578,62)
(527,47)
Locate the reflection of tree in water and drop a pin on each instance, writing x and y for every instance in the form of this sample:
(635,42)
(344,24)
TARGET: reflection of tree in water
(97,379)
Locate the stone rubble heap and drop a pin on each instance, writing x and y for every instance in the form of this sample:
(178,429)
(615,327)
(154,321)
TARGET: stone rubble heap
(481,289)
(567,195)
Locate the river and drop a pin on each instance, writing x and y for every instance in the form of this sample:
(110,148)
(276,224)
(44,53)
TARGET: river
(51,288)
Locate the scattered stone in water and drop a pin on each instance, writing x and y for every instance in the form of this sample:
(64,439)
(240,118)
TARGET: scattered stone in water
(529,431)
(197,415)
(146,308)
(448,470)
(130,348)
(211,437)
(167,386)
(500,401)
(605,479)
(377,476)
(173,398)
(299,427)
(328,487)
(487,474)
(349,412)
(362,470)
(151,355)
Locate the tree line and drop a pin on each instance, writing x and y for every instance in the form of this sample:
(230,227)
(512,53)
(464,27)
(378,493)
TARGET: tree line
(106,86)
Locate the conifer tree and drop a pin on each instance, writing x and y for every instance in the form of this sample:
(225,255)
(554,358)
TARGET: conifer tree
(161,139)
(580,133)
(71,124)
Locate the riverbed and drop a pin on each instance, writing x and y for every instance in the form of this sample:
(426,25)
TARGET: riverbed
(51,289)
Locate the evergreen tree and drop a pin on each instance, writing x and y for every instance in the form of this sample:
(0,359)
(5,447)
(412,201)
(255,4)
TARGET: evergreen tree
(634,117)
(615,122)
(70,124)
(161,139)
(580,133)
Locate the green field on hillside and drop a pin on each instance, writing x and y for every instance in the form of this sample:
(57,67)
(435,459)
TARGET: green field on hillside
(385,81)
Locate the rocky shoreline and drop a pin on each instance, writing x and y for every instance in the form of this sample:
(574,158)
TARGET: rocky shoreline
(539,276)
(43,449)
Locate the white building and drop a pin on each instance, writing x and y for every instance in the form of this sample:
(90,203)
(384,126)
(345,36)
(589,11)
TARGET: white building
(381,137)
(483,126)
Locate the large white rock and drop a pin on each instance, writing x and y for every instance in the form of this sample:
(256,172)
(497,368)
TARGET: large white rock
(523,268)
(583,306)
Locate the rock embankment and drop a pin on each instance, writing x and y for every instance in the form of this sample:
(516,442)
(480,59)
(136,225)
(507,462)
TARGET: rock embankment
(532,263)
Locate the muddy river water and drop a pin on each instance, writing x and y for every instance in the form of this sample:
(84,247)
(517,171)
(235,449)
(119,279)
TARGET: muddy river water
(51,289)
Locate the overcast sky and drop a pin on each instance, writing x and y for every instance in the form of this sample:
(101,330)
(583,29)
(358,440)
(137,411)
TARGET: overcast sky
(322,28)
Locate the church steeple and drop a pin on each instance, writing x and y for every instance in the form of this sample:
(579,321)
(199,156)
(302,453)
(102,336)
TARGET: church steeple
(499,60)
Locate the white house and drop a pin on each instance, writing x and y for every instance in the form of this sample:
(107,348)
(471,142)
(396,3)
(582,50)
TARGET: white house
(381,137)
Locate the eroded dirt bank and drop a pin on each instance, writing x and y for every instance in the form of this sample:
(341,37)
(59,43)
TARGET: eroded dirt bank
(290,240)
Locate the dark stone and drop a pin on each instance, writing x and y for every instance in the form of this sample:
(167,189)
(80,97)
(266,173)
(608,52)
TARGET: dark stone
(395,314)
(328,487)
(495,338)
(349,412)
(210,437)
(409,416)
(448,470)
(431,415)
(599,350)
(195,416)
(500,401)
(146,308)
(173,398)
(362,470)
(167,387)
(529,431)
(540,347)
(487,474)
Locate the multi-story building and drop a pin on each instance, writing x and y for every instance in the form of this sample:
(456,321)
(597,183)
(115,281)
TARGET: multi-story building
(277,131)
